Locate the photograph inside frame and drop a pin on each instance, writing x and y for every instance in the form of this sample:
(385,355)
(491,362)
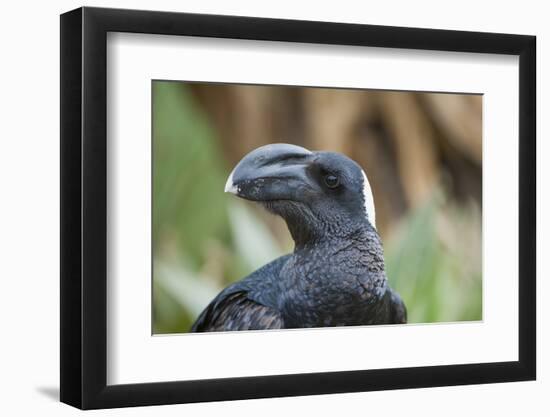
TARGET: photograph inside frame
(284,207)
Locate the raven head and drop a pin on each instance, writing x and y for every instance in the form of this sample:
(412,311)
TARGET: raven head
(319,194)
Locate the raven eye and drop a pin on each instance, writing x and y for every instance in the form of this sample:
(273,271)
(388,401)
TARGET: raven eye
(332,181)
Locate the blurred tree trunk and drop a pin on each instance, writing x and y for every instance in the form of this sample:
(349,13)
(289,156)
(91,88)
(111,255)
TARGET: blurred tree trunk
(408,143)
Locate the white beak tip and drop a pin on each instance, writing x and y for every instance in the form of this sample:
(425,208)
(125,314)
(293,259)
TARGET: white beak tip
(230,187)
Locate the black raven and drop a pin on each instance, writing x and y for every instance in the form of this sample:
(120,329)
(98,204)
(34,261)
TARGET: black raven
(336,275)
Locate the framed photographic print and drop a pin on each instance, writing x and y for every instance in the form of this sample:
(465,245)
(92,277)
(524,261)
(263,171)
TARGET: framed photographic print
(257,208)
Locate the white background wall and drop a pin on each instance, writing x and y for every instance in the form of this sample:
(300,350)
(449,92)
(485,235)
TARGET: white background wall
(29,226)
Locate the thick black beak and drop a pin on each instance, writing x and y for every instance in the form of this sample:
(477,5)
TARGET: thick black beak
(272,172)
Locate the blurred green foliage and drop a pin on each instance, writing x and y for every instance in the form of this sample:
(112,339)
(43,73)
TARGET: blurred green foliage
(437,283)
(204,239)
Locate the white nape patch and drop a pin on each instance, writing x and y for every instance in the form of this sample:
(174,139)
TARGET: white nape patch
(229,186)
(369,201)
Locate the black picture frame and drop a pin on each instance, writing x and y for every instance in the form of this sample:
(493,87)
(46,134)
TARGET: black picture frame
(84,207)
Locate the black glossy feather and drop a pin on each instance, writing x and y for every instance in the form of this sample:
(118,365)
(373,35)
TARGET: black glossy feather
(398,309)
(250,304)
(236,311)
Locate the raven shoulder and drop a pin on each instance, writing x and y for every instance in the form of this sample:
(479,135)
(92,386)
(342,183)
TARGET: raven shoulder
(249,304)
(397,309)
